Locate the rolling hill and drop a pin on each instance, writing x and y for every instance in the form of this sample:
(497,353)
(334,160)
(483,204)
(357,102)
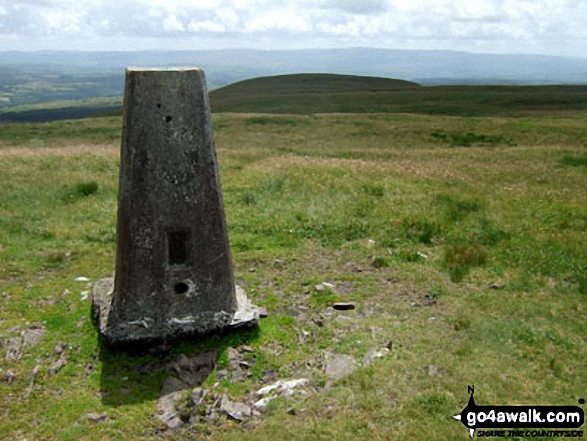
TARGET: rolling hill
(328,93)
(306,93)
(331,93)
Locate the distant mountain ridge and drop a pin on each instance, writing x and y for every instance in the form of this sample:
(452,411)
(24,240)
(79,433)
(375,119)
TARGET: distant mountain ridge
(229,66)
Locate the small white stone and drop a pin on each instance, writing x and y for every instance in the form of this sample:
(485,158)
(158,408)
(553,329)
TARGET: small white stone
(265,390)
(82,279)
(263,402)
(372,355)
(283,386)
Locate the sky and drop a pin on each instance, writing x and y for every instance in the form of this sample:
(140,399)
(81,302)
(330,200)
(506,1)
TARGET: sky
(550,27)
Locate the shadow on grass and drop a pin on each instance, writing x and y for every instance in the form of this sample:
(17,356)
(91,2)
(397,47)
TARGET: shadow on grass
(136,373)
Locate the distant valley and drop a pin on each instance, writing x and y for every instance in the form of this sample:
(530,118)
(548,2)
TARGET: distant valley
(40,86)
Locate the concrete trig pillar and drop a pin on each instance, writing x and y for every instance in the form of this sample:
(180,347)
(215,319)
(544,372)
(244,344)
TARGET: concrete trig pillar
(173,265)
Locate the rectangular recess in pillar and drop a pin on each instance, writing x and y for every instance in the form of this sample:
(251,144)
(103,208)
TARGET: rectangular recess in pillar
(177,247)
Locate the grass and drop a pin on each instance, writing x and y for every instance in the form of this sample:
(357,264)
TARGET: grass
(467,139)
(321,93)
(574,160)
(276,97)
(467,258)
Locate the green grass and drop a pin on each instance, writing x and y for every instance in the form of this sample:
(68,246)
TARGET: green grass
(308,94)
(576,160)
(322,93)
(468,258)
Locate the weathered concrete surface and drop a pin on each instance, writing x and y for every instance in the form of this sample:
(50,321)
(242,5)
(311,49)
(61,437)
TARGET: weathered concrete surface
(246,314)
(173,267)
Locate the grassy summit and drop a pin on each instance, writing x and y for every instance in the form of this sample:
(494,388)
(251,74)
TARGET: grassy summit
(460,240)
(327,93)
(307,93)
(314,83)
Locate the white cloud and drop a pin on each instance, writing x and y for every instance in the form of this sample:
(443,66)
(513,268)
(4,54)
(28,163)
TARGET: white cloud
(182,5)
(172,24)
(67,22)
(228,16)
(361,7)
(207,25)
(280,20)
(547,26)
(348,29)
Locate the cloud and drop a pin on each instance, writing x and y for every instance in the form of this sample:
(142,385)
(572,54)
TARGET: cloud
(68,22)
(280,20)
(349,29)
(228,16)
(207,26)
(361,7)
(172,24)
(543,26)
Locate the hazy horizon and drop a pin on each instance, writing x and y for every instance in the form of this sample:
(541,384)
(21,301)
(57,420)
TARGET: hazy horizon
(229,49)
(533,27)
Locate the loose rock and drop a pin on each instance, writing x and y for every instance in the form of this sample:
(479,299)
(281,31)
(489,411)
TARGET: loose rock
(374,354)
(323,286)
(245,348)
(339,366)
(344,306)
(195,369)
(171,385)
(235,359)
(261,405)
(56,367)
(171,395)
(96,417)
(168,412)
(198,395)
(237,411)
(283,387)
(31,382)
(13,346)
(34,335)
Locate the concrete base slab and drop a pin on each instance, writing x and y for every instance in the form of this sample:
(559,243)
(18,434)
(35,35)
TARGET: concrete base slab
(246,315)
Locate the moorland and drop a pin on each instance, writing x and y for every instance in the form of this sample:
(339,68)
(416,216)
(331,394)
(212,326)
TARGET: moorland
(458,234)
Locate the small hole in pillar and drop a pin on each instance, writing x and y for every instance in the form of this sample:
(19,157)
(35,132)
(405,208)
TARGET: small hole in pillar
(181,288)
(158,106)
(168,118)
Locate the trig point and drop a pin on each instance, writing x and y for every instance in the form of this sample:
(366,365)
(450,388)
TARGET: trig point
(174,272)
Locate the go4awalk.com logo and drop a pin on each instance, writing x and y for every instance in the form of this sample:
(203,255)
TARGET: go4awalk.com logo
(522,421)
